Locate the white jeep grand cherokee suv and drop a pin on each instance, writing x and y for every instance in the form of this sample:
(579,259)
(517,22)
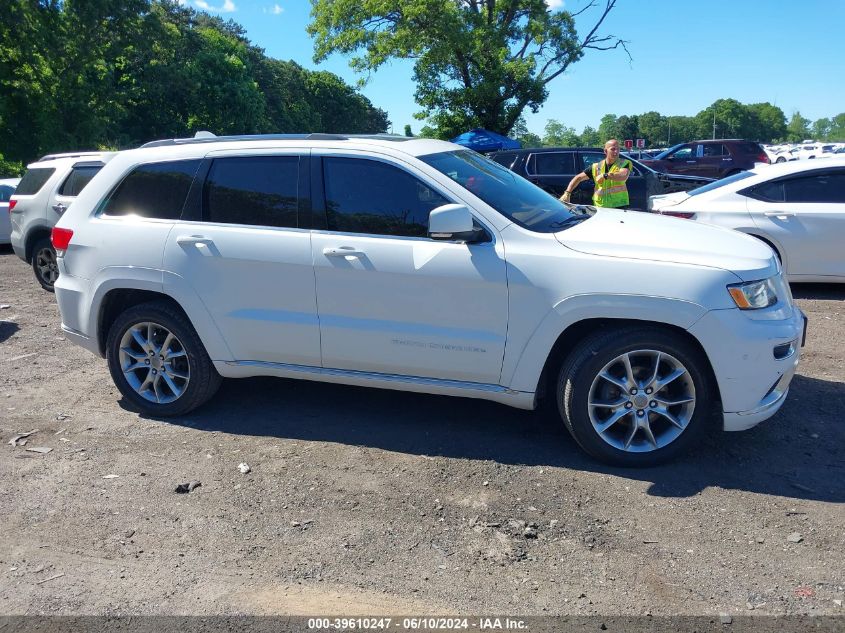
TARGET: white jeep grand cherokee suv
(419,265)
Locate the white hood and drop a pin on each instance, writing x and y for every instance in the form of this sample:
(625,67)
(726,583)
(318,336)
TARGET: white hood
(648,236)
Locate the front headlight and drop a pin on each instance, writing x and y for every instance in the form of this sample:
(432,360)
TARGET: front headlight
(754,295)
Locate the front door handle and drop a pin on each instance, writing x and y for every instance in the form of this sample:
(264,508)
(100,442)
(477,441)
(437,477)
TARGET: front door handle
(342,251)
(59,208)
(781,215)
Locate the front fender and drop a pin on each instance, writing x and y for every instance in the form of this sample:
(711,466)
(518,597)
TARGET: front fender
(522,368)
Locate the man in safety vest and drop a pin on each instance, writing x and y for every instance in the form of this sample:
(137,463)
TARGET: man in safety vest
(609,176)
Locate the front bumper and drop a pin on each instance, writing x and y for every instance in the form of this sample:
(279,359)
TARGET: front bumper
(753,377)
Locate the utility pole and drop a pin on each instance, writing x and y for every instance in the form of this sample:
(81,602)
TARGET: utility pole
(714,122)
(669,134)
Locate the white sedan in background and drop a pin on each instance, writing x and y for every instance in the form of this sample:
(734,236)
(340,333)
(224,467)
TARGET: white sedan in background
(7,188)
(797,208)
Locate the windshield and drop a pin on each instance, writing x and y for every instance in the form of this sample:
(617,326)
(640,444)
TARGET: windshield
(720,183)
(511,195)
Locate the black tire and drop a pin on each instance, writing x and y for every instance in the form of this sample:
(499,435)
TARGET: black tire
(44,263)
(582,367)
(780,159)
(202,379)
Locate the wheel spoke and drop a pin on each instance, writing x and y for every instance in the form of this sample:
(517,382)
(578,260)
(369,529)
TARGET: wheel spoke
(613,419)
(133,354)
(629,371)
(176,374)
(630,437)
(653,378)
(166,345)
(134,367)
(671,403)
(178,354)
(614,380)
(147,382)
(606,404)
(139,339)
(648,433)
(173,387)
(674,375)
(675,421)
(156,382)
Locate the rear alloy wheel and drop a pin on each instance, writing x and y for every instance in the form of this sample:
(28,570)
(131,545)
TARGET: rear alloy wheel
(44,263)
(636,396)
(158,362)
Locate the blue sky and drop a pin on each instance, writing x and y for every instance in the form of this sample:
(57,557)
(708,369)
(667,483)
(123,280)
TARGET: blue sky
(686,54)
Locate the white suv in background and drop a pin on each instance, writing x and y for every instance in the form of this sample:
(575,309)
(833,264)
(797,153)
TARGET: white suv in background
(419,265)
(45,191)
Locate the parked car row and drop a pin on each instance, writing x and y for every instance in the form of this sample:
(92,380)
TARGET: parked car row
(800,151)
(551,169)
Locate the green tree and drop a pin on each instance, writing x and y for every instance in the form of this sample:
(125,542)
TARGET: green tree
(628,128)
(820,129)
(478,63)
(520,133)
(837,128)
(609,128)
(408,131)
(653,128)
(558,135)
(680,129)
(732,120)
(768,122)
(590,137)
(798,128)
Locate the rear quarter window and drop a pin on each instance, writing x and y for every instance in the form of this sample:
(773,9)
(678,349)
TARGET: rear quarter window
(78,178)
(156,190)
(6,192)
(33,180)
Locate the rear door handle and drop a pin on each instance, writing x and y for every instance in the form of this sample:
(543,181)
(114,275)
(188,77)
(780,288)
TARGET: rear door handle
(342,251)
(779,214)
(59,208)
(200,242)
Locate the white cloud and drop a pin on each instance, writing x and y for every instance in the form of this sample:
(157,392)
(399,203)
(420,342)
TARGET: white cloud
(276,10)
(554,5)
(228,6)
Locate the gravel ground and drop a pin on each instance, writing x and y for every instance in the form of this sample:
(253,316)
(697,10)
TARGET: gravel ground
(363,501)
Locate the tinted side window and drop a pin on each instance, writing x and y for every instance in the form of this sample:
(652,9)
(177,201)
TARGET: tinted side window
(716,149)
(769,191)
(255,190)
(78,178)
(554,163)
(588,158)
(157,190)
(366,196)
(6,192)
(826,187)
(33,180)
(748,148)
(504,159)
(683,153)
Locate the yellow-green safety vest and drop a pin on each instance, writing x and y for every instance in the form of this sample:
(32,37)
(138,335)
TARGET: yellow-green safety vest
(610,193)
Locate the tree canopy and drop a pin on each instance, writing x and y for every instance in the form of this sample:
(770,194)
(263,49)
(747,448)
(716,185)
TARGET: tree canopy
(86,74)
(477,63)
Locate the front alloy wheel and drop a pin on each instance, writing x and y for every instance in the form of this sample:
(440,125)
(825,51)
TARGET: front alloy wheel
(635,395)
(641,401)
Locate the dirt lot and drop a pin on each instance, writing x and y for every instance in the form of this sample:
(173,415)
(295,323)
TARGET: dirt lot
(364,501)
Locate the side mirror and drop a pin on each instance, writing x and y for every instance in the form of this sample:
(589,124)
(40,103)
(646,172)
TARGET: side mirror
(451,222)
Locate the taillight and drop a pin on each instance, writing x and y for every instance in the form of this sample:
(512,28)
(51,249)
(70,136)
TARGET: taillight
(678,214)
(61,239)
(12,204)
(764,158)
